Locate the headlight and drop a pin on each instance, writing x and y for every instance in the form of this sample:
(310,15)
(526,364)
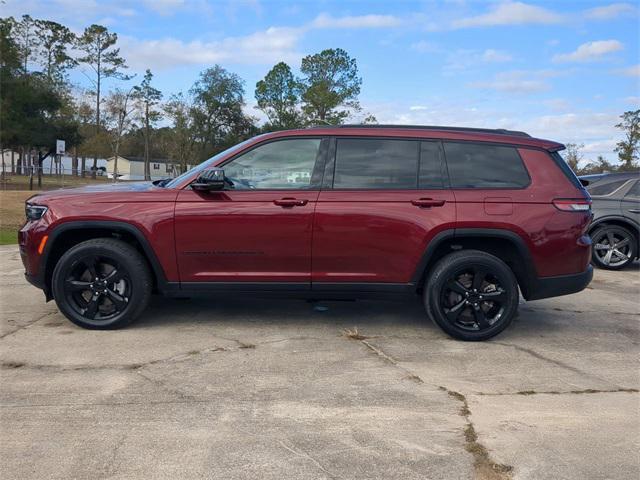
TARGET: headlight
(34,212)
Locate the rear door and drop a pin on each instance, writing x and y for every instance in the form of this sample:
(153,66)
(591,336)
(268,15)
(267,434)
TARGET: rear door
(383,200)
(258,230)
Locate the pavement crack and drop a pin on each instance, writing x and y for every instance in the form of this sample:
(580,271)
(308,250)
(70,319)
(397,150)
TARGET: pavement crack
(557,363)
(587,391)
(26,325)
(409,375)
(306,455)
(485,467)
(159,383)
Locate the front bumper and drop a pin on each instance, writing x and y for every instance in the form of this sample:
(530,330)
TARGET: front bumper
(546,287)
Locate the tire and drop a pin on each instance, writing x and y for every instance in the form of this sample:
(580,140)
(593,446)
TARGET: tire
(471,295)
(622,254)
(102,284)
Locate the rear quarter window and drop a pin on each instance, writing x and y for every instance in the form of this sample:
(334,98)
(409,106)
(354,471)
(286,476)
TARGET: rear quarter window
(473,165)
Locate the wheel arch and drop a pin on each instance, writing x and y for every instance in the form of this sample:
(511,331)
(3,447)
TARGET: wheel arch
(69,234)
(504,244)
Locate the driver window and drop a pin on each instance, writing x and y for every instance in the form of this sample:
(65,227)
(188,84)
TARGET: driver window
(284,164)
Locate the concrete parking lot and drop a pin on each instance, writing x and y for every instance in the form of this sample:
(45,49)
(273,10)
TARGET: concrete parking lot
(244,389)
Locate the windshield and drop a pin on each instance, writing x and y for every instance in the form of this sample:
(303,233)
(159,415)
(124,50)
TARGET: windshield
(207,163)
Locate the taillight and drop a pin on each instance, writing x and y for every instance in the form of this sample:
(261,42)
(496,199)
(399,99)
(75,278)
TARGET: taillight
(572,204)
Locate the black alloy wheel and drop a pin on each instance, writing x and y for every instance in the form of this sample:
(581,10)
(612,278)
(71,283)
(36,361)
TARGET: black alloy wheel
(97,288)
(102,283)
(472,295)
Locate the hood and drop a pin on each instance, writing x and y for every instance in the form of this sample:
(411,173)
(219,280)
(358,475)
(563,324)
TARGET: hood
(93,189)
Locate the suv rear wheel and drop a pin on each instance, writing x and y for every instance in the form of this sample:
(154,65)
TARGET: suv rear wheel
(102,284)
(614,247)
(471,295)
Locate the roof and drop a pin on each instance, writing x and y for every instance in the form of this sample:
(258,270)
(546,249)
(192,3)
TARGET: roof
(510,137)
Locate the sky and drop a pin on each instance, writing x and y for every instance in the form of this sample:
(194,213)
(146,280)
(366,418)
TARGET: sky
(563,70)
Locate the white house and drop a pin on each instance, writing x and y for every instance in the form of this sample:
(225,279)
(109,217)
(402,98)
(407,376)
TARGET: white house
(132,168)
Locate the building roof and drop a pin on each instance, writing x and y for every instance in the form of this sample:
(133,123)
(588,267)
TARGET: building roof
(141,159)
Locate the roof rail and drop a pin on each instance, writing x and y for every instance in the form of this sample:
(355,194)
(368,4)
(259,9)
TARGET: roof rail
(498,131)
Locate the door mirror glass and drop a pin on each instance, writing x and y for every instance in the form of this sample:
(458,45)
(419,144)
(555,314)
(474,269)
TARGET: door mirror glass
(209,180)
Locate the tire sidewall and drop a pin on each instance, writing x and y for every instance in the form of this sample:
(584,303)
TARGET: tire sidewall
(446,268)
(138,289)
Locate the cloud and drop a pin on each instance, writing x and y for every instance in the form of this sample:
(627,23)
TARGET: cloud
(425,47)
(362,21)
(517,81)
(510,13)
(632,71)
(417,108)
(263,47)
(610,11)
(494,56)
(164,7)
(590,51)
(464,59)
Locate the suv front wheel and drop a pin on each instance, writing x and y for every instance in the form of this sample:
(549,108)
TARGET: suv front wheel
(102,284)
(471,295)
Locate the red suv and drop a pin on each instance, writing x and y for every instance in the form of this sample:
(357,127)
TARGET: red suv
(467,218)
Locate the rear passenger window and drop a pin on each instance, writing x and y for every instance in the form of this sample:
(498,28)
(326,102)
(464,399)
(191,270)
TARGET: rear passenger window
(473,165)
(376,164)
(430,165)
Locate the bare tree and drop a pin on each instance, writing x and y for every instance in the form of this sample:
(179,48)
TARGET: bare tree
(573,155)
(105,61)
(147,98)
(119,108)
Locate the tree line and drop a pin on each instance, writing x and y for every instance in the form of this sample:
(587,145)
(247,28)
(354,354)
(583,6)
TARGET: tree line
(39,104)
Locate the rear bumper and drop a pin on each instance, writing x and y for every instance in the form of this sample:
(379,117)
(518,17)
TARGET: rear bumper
(545,287)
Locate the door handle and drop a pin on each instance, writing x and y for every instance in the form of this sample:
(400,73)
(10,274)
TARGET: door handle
(427,203)
(634,210)
(288,202)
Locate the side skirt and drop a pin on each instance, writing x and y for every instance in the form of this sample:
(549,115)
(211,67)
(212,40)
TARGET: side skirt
(317,291)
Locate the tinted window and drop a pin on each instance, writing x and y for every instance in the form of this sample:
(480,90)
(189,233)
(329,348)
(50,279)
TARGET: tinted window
(376,163)
(606,188)
(430,165)
(484,166)
(285,164)
(634,193)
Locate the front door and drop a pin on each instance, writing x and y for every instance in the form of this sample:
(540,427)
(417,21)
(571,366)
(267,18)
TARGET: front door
(259,228)
(385,202)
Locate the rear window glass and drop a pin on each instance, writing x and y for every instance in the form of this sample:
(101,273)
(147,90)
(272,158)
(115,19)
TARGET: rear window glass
(473,165)
(605,188)
(376,164)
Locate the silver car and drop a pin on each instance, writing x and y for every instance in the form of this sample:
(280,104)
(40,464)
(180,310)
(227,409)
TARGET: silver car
(615,229)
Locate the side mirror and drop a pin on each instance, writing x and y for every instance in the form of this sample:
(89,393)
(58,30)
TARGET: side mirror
(209,180)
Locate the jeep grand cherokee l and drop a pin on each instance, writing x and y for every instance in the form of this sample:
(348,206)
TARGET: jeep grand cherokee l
(464,217)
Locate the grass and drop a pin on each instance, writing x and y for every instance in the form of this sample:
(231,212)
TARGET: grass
(12,215)
(14,190)
(8,237)
(49,182)
(353,334)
